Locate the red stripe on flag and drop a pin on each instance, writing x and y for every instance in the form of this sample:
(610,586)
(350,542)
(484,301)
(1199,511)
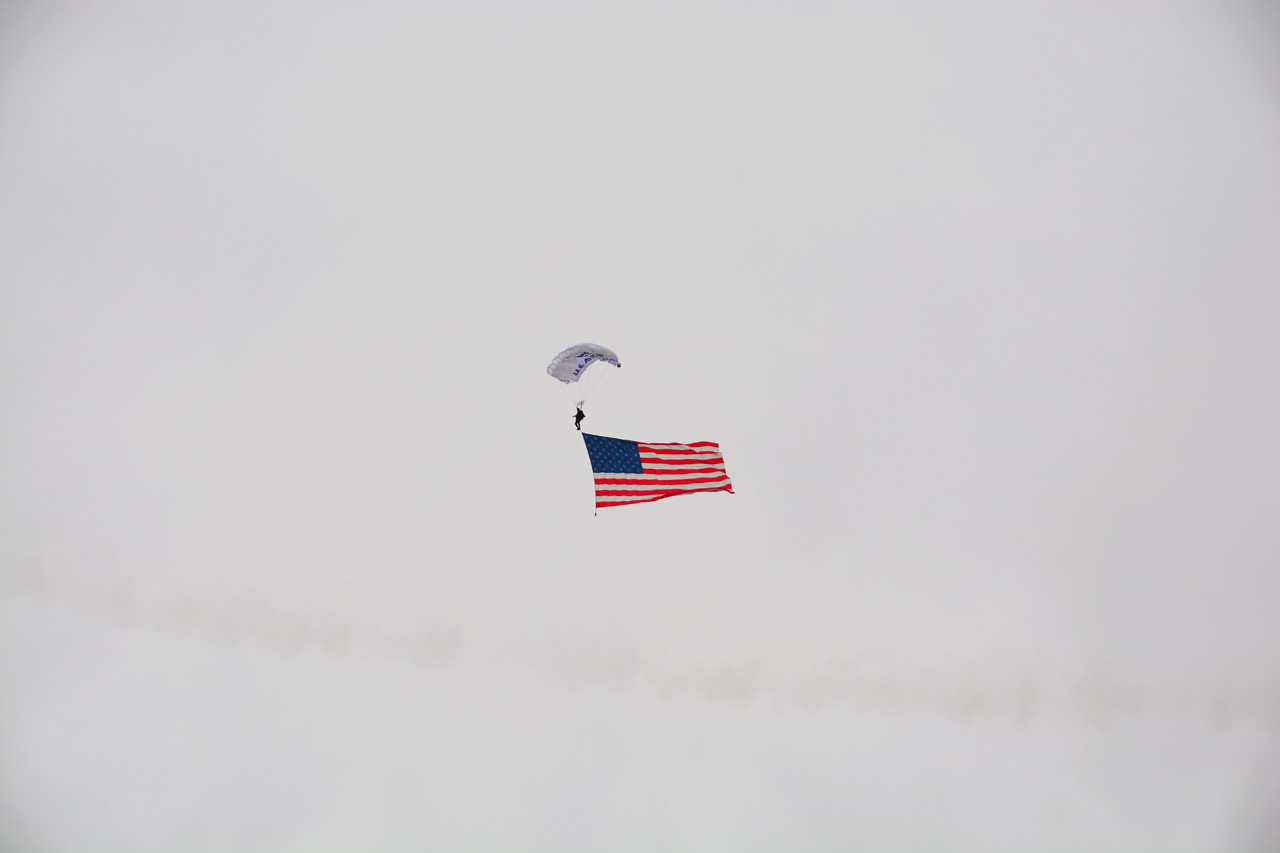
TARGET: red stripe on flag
(716,487)
(657,497)
(622,481)
(677,444)
(716,460)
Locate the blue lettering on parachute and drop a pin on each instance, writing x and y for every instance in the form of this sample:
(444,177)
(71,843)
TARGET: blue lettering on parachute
(589,358)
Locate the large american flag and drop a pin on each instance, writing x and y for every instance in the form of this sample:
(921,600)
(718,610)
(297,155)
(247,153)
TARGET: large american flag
(632,472)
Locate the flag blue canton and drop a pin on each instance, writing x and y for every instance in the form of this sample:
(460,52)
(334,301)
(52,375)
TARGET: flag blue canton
(613,455)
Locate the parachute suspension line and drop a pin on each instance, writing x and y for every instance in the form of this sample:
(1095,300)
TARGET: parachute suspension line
(593,379)
(570,394)
(581,392)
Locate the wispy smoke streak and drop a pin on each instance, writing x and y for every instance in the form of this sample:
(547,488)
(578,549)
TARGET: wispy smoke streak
(238,622)
(1097,698)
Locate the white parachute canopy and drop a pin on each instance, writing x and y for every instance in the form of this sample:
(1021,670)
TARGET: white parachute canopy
(571,364)
(575,362)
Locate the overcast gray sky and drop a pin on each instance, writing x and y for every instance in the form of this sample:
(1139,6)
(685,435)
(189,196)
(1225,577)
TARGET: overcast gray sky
(297,550)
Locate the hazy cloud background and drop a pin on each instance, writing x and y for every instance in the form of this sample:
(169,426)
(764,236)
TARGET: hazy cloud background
(296,544)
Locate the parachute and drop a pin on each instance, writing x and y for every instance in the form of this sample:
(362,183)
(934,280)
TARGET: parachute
(571,364)
(576,362)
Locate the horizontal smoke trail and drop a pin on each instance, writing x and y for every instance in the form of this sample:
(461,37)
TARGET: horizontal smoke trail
(1098,698)
(232,622)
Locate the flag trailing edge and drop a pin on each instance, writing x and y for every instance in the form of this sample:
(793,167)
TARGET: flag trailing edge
(631,472)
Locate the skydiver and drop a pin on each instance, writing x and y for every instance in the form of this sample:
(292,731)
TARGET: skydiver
(577,419)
